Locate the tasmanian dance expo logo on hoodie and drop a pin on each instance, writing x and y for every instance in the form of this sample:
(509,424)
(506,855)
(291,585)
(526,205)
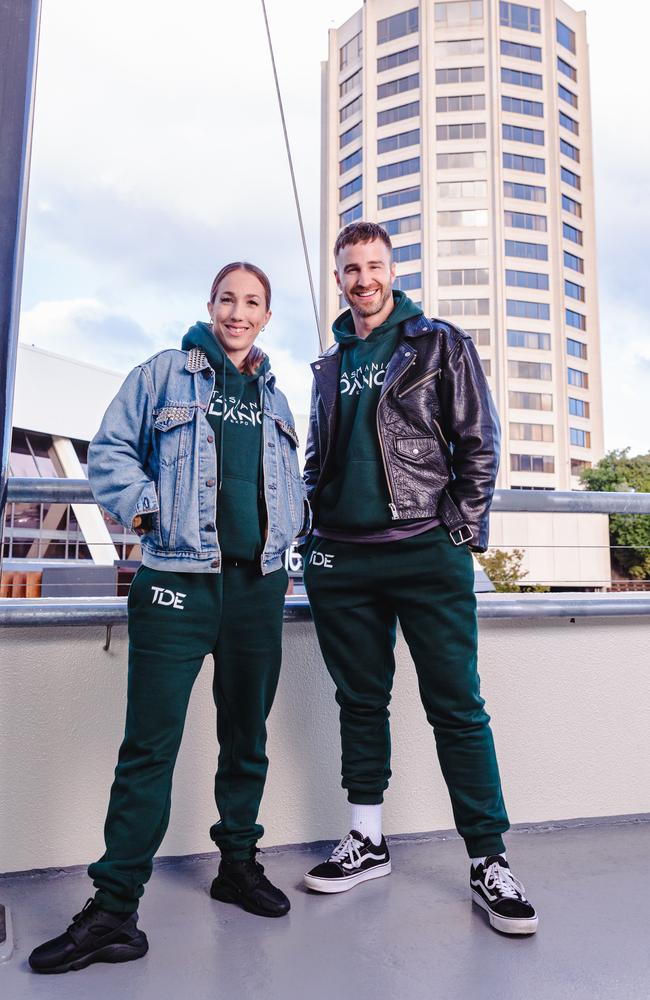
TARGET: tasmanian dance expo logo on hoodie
(369,376)
(234,411)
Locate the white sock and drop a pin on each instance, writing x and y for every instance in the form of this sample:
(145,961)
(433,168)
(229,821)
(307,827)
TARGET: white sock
(480,861)
(367,821)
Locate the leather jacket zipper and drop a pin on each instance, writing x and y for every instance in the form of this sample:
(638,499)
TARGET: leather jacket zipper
(391,506)
(420,381)
(444,439)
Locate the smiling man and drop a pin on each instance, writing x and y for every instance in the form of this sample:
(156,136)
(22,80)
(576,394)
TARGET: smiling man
(402,457)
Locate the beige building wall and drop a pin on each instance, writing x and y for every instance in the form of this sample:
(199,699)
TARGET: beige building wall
(469,77)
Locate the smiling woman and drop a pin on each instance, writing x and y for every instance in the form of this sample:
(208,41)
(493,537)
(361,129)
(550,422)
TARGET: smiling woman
(198,454)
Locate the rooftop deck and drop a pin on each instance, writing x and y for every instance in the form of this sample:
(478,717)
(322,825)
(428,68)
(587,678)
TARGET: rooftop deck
(412,935)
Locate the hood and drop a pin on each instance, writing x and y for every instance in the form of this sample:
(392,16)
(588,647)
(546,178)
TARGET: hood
(200,335)
(403,309)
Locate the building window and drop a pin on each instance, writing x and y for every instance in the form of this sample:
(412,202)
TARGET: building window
(531,164)
(578,378)
(531,432)
(571,233)
(460,47)
(576,348)
(520,51)
(525,220)
(519,78)
(527,279)
(458,12)
(569,205)
(578,407)
(570,178)
(393,142)
(565,36)
(578,466)
(406,282)
(569,123)
(392,170)
(350,109)
(525,192)
(575,263)
(574,291)
(472,130)
(463,102)
(521,106)
(567,69)
(516,133)
(480,337)
(528,310)
(461,74)
(408,224)
(351,83)
(398,114)
(486,365)
(462,189)
(350,215)
(351,51)
(579,438)
(352,133)
(462,248)
(567,95)
(515,15)
(530,369)
(464,217)
(464,307)
(530,401)
(413,251)
(531,341)
(398,59)
(394,87)
(461,161)
(532,251)
(464,276)
(532,463)
(569,150)
(575,319)
(350,161)
(350,188)
(403,197)
(397,26)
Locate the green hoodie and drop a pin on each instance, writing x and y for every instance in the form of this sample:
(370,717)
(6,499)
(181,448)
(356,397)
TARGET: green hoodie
(356,497)
(238,442)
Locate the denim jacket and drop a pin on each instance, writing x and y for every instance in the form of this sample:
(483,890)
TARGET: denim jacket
(154,454)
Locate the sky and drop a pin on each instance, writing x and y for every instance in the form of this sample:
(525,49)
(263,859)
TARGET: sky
(158,156)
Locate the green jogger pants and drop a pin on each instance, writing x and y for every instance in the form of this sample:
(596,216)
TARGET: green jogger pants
(357,594)
(175,620)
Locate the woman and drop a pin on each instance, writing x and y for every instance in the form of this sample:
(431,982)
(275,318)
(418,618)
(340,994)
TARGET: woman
(197,453)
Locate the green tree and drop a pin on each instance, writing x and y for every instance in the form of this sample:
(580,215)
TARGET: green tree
(618,472)
(503,569)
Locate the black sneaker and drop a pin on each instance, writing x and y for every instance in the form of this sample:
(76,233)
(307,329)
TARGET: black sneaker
(495,889)
(244,883)
(356,859)
(93,936)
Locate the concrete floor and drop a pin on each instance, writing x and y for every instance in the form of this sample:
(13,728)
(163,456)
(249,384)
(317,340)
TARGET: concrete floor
(410,936)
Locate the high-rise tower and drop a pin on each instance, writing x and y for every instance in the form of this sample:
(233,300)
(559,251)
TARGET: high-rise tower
(464,127)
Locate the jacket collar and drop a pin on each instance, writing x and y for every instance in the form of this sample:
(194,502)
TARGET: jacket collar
(419,326)
(197,361)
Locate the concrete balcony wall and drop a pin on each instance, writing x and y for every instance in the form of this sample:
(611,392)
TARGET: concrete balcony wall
(570,705)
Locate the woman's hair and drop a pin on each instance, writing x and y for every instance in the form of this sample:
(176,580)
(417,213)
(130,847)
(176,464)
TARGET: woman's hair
(255,356)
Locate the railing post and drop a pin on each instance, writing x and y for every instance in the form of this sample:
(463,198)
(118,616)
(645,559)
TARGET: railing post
(19,27)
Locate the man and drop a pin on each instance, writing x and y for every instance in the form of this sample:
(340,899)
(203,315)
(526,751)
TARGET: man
(402,458)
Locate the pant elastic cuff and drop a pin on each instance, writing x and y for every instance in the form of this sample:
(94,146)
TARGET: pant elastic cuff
(483,847)
(365,798)
(113,904)
(242,854)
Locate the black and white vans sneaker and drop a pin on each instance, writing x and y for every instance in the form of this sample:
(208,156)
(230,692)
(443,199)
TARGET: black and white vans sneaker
(495,889)
(356,859)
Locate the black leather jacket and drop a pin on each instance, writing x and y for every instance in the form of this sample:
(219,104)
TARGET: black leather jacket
(437,425)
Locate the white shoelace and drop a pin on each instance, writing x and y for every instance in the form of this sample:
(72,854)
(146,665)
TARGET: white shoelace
(500,878)
(348,850)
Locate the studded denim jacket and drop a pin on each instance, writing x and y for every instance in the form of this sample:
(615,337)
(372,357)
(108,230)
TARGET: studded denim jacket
(154,454)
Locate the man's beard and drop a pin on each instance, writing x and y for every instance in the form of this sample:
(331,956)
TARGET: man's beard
(370,309)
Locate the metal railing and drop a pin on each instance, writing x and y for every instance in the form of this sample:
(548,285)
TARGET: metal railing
(109,611)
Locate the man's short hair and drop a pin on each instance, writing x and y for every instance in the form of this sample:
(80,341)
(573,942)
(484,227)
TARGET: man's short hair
(361,232)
